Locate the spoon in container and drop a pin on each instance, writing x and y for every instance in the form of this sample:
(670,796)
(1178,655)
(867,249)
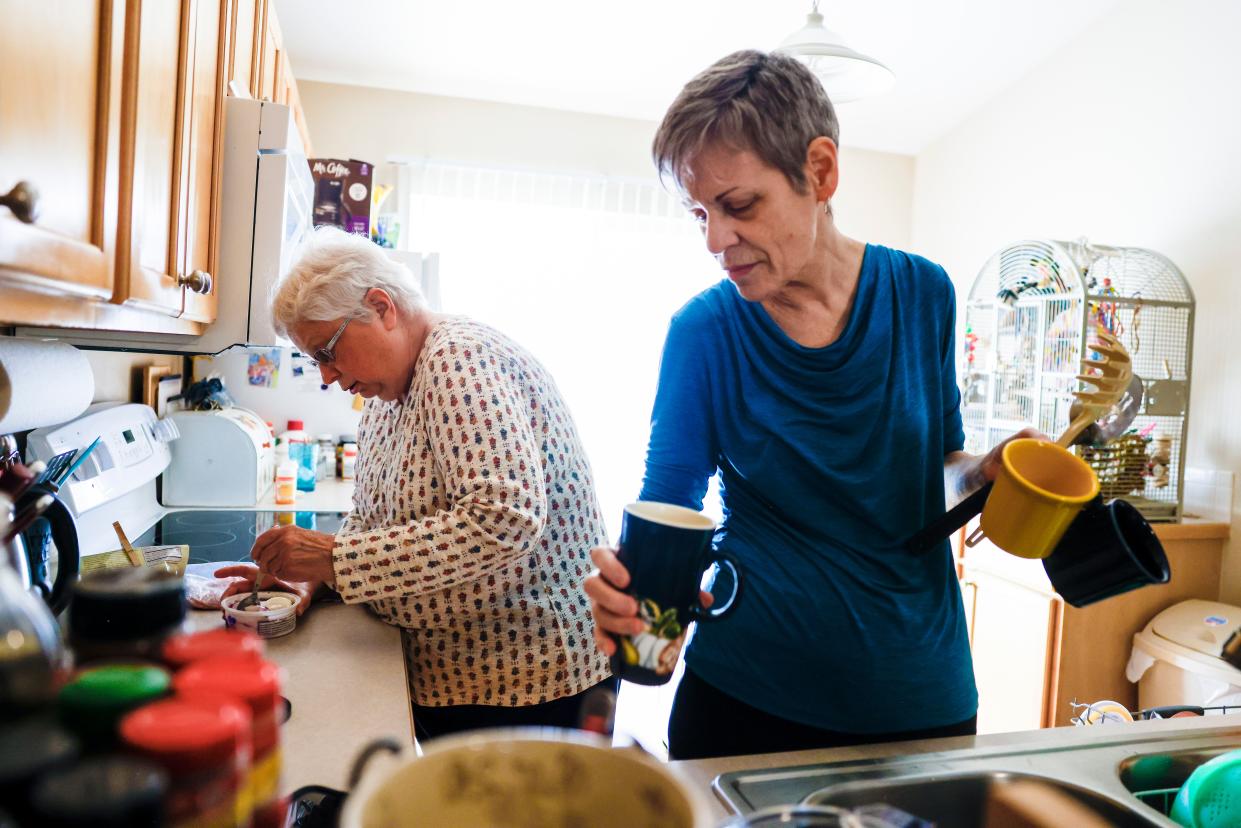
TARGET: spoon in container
(252,600)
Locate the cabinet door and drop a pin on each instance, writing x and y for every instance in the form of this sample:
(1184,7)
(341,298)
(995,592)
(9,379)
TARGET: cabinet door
(60,66)
(270,71)
(1015,634)
(245,44)
(173,62)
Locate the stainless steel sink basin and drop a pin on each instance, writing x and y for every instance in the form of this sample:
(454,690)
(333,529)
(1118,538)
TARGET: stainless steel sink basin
(961,800)
(1154,778)
(1126,773)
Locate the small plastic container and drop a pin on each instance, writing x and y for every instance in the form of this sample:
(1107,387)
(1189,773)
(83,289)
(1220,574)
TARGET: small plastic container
(93,704)
(125,615)
(271,620)
(348,460)
(184,650)
(204,746)
(256,683)
(101,792)
(286,483)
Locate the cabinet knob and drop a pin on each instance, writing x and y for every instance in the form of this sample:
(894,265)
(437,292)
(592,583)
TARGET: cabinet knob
(199,281)
(23,200)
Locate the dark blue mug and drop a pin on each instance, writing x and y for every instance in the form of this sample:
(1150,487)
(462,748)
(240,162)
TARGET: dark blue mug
(666,549)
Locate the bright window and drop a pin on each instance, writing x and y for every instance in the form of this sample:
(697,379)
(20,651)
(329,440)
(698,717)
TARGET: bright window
(585,272)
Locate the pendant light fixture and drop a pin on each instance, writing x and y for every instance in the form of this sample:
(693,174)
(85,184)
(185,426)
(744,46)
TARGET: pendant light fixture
(846,75)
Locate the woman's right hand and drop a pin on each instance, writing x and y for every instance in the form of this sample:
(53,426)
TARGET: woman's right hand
(614,611)
(246,573)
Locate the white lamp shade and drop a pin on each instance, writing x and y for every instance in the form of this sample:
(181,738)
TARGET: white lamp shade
(846,74)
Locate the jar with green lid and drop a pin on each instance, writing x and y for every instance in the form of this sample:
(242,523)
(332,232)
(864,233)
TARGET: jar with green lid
(92,705)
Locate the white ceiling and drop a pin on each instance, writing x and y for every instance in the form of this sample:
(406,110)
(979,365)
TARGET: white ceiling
(630,58)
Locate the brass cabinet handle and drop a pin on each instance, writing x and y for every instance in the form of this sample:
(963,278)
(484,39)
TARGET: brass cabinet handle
(199,281)
(23,200)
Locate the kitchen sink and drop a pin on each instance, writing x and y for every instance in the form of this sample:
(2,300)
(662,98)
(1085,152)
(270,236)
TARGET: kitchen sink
(1154,778)
(961,800)
(1128,774)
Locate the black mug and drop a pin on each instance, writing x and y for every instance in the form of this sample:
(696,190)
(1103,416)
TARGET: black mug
(666,549)
(1108,549)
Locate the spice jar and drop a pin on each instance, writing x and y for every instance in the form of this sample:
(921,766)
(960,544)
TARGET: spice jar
(101,792)
(204,746)
(92,705)
(256,683)
(125,614)
(183,650)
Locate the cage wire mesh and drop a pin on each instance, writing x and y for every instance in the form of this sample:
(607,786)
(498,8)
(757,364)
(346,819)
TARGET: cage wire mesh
(1028,320)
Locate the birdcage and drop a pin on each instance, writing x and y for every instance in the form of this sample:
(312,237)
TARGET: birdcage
(1028,319)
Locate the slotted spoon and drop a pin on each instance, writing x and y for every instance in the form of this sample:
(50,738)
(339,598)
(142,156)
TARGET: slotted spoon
(1112,378)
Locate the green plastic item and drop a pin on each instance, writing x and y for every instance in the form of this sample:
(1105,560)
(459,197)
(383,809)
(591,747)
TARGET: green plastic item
(1211,797)
(95,701)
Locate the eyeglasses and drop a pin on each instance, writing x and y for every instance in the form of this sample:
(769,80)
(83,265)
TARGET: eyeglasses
(327,354)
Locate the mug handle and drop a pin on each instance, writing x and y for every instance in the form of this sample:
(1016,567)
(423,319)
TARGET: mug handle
(372,748)
(697,612)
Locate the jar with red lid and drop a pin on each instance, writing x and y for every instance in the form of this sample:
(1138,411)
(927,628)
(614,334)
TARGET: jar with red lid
(256,683)
(183,650)
(204,745)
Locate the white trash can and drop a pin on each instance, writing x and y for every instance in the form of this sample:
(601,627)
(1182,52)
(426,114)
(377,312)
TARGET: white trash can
(1175,659)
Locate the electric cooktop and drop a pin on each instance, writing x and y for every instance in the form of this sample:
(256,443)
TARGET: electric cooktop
(224,535)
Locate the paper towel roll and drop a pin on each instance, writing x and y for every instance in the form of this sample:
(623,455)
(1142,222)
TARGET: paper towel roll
(41,383)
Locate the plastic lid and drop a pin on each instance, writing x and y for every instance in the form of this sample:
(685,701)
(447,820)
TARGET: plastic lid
(296,425)
(182,650)
(114,688)
(253,680)
(187,734)
(102,791)
(1203,626)
(324,438)
(31,746)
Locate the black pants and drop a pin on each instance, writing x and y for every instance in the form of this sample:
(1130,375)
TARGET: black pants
(430,722)
(707,723)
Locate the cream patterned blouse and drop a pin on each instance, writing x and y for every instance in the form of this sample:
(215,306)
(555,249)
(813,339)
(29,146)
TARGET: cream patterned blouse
(474,513)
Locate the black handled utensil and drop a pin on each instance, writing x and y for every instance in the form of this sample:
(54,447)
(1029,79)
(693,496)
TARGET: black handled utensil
(1108,427)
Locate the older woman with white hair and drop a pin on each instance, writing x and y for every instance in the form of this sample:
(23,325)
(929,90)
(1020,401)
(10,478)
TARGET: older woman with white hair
(474,504)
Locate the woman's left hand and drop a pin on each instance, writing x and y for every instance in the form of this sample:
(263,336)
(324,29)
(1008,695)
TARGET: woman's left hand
(296,554)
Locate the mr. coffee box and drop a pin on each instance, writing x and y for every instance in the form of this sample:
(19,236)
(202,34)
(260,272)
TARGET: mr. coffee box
(343,193)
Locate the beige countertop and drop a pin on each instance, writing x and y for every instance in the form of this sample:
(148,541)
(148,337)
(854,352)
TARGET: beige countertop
(331,495)
(345,678)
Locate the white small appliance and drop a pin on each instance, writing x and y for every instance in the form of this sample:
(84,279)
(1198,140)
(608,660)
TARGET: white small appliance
(223,458)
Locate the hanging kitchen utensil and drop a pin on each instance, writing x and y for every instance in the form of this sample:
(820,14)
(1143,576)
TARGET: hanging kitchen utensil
(1116,400)
(51,545)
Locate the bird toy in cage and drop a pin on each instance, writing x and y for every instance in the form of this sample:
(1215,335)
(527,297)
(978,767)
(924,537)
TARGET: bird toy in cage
(1107,314)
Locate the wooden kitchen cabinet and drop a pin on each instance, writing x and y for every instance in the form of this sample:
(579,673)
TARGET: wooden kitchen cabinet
(113,111)
(174,97)
(1034,655)
(60,69)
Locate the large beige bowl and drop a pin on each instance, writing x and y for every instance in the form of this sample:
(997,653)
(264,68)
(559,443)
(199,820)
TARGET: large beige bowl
(524,778)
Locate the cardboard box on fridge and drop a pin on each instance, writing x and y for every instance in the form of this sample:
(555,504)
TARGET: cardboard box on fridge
(343,193)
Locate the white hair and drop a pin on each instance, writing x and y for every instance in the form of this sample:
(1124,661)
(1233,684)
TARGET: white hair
(330,277)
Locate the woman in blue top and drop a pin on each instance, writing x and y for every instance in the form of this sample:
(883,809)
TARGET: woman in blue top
(818,380)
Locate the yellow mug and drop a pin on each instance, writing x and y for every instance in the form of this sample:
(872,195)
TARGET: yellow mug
(1039,490)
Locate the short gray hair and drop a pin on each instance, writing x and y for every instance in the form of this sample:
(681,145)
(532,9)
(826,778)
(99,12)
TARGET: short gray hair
(767,103)
(331,276)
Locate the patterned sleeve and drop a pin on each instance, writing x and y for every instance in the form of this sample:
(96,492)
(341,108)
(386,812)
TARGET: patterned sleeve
(481,440)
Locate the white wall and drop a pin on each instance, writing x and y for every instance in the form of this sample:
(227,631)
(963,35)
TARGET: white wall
(873,203)
(1129,136)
